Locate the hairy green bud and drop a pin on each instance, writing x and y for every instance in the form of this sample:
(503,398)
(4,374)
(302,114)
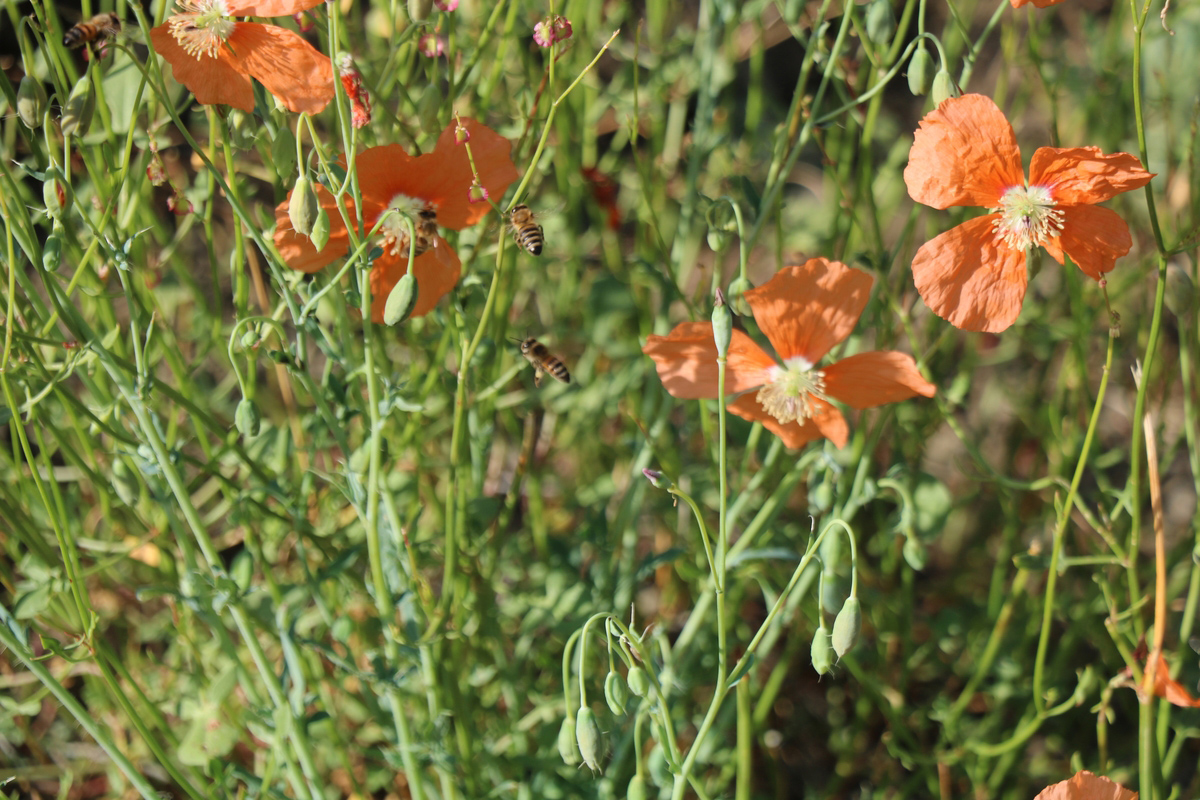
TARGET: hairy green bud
(31,101)
(880,22)
(247,418)
(320,230)
(920,68)
(587,736)
(822,651)
(566,742)
(52,250)
(401,300)
(303,206)
(419,9)
(722,322)
(636,789)
(943,86)
(847,626)
(639,684)
(79,108)
(56,193)
(615,693)
(657,766)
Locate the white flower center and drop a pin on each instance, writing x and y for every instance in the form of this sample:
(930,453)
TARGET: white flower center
(201,27)
(789,396)
(1028,217)
(393,225)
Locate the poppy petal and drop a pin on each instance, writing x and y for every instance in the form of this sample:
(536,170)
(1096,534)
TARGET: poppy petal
(686,360)
(964,154)
(804,311)
(1081,175)
(437,271)
(1094,238)
(1084,785)
(383,173)
(297,249)
(871,379)
(269,8)
(449,173)
(969,278)
(829,424)
(291,68)
(211,80)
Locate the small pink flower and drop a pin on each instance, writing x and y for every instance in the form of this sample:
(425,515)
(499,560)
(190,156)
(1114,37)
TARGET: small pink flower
(562,28)
(431,45)
(448,5)
(461,134)
(477,193)
(551,30)
(304,22)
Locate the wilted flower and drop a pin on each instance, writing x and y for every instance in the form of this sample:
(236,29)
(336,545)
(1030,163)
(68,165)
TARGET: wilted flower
(360,100)
(552,29)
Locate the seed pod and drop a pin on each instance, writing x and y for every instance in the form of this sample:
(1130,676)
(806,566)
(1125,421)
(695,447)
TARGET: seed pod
(249,338)
(247,418)
(401,300)
(419,9)
(822,651)
(31,101)
(722,323)
(320,230)
(943,86)
(303,206)
(846,626)
(639,684)
(657,766)
(78,110)
(615,693)
(919,68)
(52,250)
(566,742)
(1180,293)
(587,736)
(636,789)
(880,22)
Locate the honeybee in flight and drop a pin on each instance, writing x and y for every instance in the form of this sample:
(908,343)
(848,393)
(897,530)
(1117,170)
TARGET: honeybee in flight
(526,232)
(101,26)
(543,361)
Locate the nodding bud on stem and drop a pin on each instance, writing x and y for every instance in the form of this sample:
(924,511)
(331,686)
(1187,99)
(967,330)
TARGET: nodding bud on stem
(31,101)
(320,230)
(637,788)
(722,322)
(919,68)
(303,206)
(401,300)
(587,736)
(880,22)
(615,693)
(78,110)
(566,742)
(822,651)
(247,418)
(847,626)
(943,86)
(657,480)
(419,9)
(639,684)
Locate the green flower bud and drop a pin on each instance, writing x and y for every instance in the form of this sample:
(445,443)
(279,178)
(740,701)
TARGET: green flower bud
(822,651)
(401,300)
(920,66)
(880,22)
(247,418)
(31,101)
(320,230)
(943,86)
(639,684)
(636,789)
(56,193)
(249,338)
(659,769)
(78,110)
(566,742)
(847,626)
(1180,292)
(419,9)
(303,206)
(52,250)
(615,693)
(736,296)
(915,554)
(658,481)
(722,322)
(242,128)
(717,240)
(587,736)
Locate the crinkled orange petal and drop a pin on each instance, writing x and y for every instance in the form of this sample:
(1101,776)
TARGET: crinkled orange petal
(1086,786)
(297,249)
(686,360)
(971,280)
(829,424)
(291,68)
(211,80)
(1173,691)
(964,154)
(269,8)
(804,311)
(436,270)
(1082,175)
(872,379)
(1094,238)
(449,177)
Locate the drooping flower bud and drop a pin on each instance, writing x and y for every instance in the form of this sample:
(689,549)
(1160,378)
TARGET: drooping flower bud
(303,206)
(880,22)
(846,626)
(52,249)
(78,110)
(736,296)
(320,230)
(657,766)
(247,418)
(822,650)
(419,9)
(636,790)
(615,693)
(658,481)
(587,736)
(31,101)
(943,86)
(56,193)
(639,684)
(566,742)
(920,66)
(401,300)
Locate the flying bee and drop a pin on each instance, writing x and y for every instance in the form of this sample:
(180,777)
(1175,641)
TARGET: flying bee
(526,232)
(96,29)
(543,361)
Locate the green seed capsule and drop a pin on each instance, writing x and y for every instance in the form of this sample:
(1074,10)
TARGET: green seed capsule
(636,789)
(615,693)
(587,736)
(920,66)
(303,206)
(419,9)
(320,230)
(52,250)
(401,300)
(31,101)
(943,86)
(639,684)
(566,742)
(736,296)
(722,323)
(249,338)
(822,651)
(847,626)
(56,193)
(659,769)
(880,22)
(78,110)
(247,418)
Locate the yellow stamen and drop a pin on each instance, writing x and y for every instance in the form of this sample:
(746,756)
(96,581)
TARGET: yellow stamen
(201,27)
(1028,217)
(790,397)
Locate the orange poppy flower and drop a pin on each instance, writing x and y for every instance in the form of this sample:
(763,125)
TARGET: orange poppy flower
(391,179)
(215,56)
(1085,785)
(965,154)
(804,311)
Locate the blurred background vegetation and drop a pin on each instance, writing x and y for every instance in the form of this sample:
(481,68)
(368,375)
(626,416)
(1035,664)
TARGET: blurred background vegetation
(188,597)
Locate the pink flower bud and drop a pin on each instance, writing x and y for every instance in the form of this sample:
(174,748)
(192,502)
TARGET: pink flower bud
(448,5)
(431,45)
(477,193)
(543,33)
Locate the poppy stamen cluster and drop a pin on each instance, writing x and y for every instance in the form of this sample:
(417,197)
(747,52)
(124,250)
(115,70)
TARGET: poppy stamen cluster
(201,26)
(1028,217)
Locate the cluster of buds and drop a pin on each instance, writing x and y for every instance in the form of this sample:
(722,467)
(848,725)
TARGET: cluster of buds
(360,101)
(551,30)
